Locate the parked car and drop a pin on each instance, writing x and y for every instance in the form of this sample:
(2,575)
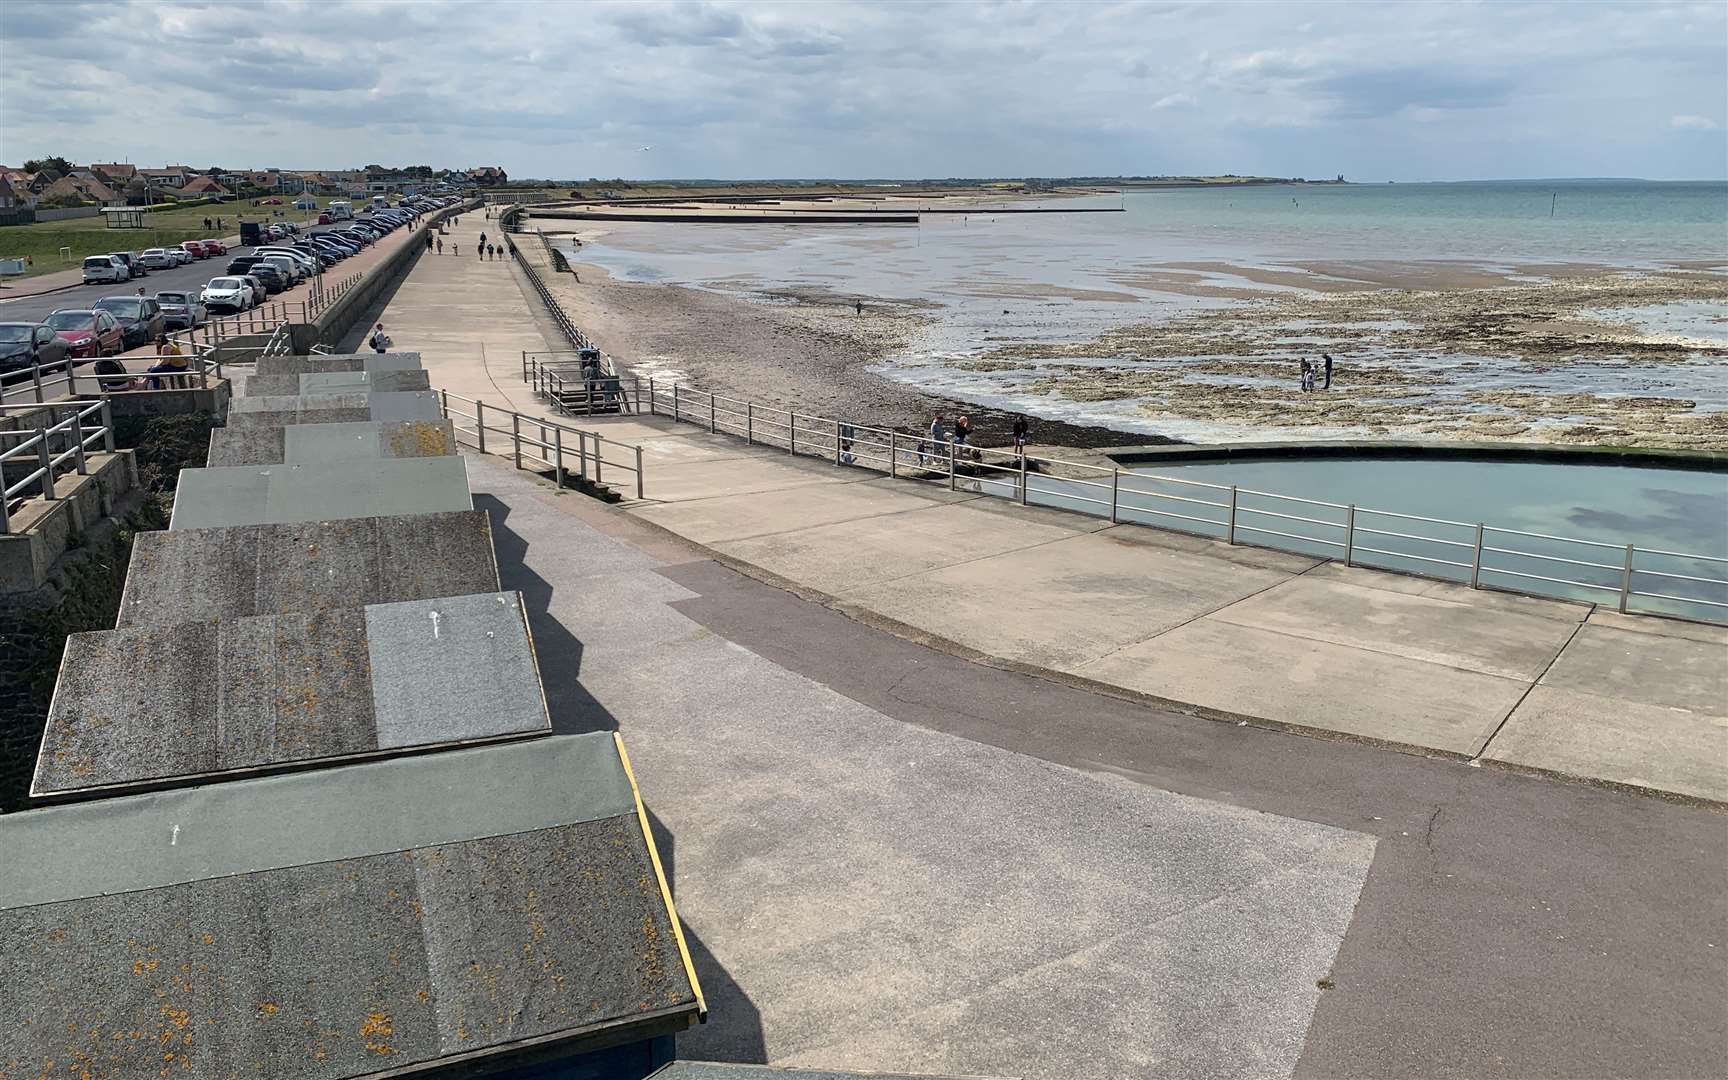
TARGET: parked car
(23,345)
(256,284)
(133,265)
(182,310)
(240,264)
(86,332)
(288,266)
(227,294)
(181,255)
(272,277)
(304,264)
(214,247)
(196,249)
(324,219)
(105,270)
(140,318)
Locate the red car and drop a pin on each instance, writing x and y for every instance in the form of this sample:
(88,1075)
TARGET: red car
(87,334)
(213,247)
(195,248)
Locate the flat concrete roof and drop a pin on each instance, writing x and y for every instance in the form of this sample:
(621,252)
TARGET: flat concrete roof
(327,382)
(320,491)
(297,365)
(174,704)
(503,901)
(333,407)
(185,575)
(300,444)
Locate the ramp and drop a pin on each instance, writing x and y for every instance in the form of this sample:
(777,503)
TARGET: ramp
(321,491)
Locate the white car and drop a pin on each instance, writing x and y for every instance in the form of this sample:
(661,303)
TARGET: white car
(158,259)
(105,270)
(229,293)
(181,255)
(291,268)
(295,255)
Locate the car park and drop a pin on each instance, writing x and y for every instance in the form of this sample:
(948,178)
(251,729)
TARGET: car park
(182,310)
(227,294)
(105,270)
(133,266)
(140,318)
(86,332)
(24,345)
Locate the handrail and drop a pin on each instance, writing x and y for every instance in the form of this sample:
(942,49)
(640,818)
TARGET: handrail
(75,439)
(44,377)
(1035,478)
(550,448)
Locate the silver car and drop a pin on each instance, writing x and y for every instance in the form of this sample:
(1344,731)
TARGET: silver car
(182,310)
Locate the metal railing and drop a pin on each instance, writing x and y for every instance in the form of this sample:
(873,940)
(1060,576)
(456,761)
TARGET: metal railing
(563,451)
(48,382)
(566,325)
(281,341)
(53,446)
(558,378)
(1632,579)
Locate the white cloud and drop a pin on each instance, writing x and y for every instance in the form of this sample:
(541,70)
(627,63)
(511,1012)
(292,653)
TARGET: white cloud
(1694,123)
(765,88)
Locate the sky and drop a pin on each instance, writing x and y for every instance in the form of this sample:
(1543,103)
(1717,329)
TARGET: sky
(1404,91)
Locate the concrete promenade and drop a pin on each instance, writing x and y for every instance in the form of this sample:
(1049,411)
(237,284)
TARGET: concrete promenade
(1234,633)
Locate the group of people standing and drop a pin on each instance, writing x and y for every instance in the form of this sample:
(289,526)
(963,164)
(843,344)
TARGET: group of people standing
(1313,371)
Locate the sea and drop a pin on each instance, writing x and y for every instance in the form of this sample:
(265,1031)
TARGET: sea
(986,279)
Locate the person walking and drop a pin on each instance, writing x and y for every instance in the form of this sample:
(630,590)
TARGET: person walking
(440,245)
(1307,376)
(1020,429)
(380,341)
(429,241)
(482,239)
(1328,358)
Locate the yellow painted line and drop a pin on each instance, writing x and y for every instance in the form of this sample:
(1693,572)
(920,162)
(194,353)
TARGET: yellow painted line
(665,889)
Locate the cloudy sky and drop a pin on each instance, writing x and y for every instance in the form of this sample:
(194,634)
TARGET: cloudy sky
(752,89)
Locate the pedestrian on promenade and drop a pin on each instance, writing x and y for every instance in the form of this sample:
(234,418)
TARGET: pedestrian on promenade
(938,436)
(1328,359)
(380,341)
(1020,429)
(847,434)
(440,245)
(429,241)
(962,430)
(482,239)
(455,249)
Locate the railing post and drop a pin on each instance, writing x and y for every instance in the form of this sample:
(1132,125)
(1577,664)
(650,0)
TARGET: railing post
(1115,493)
(107,415)
(78,440)
(711,425)
(1349,533)
(480,424)
(558,456)
(749,423)
(444,402)
(652,410)
(953,473)
(599,459)
(675,416)
(639,488)
(836,442)
(1022,479)
(516,438)
(1476,561)
(72,378)
(36,377)
(894,453)
(1230,529)
(791,432)
(46,458)
(1626,580)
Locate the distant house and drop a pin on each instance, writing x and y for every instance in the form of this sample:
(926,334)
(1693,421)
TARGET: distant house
(19,182)
(74,189)
(173,176)
(203,185)
(116,175)
(489,176)
(9,199)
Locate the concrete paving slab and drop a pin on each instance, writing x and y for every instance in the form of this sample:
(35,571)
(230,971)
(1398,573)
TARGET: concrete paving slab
(300,444)
(1495,642)
(335,382)
(333,408)
(1062,604)
(1575,733)
(851,554)
(267,691)
(729,518)
(187,575)
(1644,624)
(711,478)
(297,365)
(1674,672)
(1315,684)
(324,491)
(1488,599)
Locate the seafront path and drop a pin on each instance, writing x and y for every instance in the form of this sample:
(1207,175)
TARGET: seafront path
(905,834)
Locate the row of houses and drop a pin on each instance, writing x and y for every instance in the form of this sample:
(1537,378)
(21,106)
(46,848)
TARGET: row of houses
(119,183)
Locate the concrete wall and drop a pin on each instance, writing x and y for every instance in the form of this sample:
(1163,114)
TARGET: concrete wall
(68,212)
(145,403)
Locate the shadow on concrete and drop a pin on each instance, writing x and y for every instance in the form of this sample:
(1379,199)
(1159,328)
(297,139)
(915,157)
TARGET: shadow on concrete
(734,1028)
(572,708)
